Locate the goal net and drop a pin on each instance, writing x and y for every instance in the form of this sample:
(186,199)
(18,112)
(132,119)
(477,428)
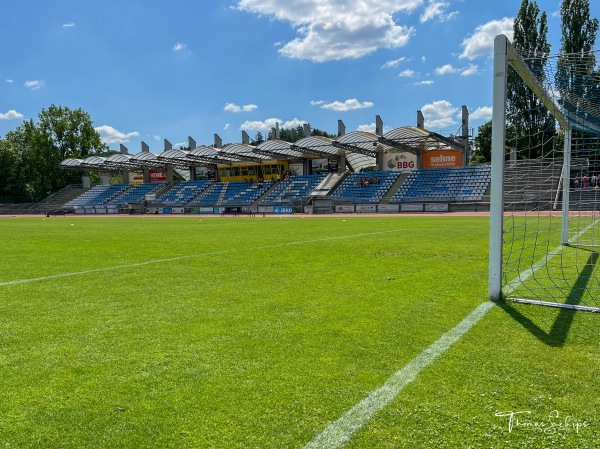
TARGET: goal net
(545,190)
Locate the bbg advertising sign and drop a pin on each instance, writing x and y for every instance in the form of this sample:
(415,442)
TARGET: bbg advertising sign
(404,161)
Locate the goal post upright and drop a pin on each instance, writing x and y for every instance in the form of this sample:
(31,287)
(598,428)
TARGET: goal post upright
(497,175)
(566,185)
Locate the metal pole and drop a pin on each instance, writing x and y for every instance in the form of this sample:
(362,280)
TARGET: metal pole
(497,176)
(566,184)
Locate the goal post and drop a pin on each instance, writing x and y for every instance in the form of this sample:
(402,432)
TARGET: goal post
(545,179)
(497,173)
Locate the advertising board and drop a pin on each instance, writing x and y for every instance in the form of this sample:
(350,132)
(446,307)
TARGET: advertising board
(345,209)
(411,207)
(366,208)
(436,207)
(388,208)
(442,159)
(283,210)
(404,161)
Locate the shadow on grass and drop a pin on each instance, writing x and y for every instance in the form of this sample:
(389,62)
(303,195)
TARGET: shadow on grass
(560,328)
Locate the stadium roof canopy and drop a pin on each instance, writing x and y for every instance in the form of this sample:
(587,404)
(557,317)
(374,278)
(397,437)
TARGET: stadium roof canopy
(210,155)
(243,152)
(275,149)
(415,140)
(360,149)
(176,158)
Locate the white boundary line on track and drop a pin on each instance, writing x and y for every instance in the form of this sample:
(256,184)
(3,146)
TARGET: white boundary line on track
(191,256)
(341,430)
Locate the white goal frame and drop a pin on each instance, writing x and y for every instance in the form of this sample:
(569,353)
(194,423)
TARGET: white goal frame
(505,55)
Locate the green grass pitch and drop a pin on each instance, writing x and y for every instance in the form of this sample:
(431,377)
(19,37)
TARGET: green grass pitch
(204,332)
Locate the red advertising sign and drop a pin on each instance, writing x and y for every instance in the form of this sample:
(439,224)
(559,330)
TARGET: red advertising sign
(158,176)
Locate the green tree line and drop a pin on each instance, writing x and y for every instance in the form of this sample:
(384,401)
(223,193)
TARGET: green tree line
(291,135)
(31,154)
(529,124)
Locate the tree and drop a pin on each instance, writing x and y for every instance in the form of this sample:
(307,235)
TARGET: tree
(11,167)
(258,139)
(578,30)
(483,144)
(293,135)
(576,78)
(60,133)
(318,132)
(529,120)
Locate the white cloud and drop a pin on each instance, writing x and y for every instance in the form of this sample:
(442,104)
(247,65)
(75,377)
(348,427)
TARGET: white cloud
(9,81)
(348,105)
(316,102)
(481,42)
(226,127)
(156,137)
(232,107)
(269,123)
(449,69)
(371,128)
(445,70)
(393,63)
(471,70)
(424,83)
(408,73)
(66,26)
(481,113)
(437,10)
(34,84)
(337,29)
(109,135)
(11,115)
(439,114)
(294,123)
(178,47)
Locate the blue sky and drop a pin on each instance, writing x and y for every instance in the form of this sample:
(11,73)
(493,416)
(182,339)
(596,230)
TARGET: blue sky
(152,70)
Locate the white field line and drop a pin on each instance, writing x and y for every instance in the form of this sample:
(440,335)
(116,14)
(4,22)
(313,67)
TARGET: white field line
(341,430)
(191,256)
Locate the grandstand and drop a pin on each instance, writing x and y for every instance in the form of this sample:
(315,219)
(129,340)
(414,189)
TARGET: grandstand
(445,185)
(182,193)
(231,194)
(356,172)
(448,185)
(98,195)
(532,183)
(366,187)
(292,190)
(136,194)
